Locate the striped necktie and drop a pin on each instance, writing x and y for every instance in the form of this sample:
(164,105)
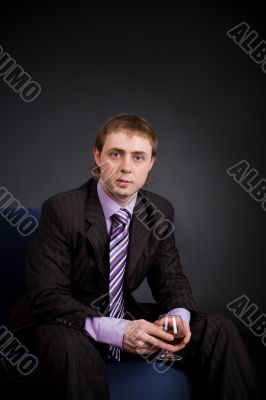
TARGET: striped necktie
(118,246)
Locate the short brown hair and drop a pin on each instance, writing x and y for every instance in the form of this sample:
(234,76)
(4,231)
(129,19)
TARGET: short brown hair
(134,125)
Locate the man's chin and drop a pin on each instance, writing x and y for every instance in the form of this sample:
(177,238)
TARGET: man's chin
(121,192)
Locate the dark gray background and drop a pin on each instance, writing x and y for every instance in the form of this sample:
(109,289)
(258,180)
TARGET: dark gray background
(202,94)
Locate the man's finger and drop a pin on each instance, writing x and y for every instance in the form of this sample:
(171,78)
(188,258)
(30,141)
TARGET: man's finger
(159,332)
(156,342)
(187,337)
(184,342)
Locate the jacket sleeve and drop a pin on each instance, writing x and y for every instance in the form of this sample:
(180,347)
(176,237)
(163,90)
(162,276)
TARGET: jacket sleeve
(49,270)
(169,285)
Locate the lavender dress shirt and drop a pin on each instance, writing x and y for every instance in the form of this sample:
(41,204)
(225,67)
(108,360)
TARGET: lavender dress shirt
(107,329)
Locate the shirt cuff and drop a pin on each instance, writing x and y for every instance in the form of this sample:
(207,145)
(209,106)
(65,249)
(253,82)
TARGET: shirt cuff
(106,329)
(185,314)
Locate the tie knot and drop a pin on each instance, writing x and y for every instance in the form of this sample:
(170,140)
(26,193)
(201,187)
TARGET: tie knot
(122,215)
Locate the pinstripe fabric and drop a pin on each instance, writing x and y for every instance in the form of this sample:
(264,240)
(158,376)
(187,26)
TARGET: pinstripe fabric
(118,246)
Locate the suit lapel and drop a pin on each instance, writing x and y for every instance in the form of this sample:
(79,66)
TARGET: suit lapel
(96,233)
(138,236)
(96,230)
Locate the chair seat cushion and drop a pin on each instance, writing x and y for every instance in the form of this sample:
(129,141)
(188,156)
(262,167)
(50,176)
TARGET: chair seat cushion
(139,380)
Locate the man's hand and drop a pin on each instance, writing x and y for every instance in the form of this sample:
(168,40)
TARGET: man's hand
(143,337)
(186,338)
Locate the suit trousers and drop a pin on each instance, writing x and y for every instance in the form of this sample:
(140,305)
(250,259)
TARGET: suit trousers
(216,358)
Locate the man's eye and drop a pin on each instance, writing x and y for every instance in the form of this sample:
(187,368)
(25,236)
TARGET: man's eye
(139,157)
(114,153)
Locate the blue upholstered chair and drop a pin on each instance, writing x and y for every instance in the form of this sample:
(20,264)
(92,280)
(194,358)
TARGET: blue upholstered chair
(130,379)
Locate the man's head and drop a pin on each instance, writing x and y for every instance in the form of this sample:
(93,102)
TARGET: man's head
(125,149)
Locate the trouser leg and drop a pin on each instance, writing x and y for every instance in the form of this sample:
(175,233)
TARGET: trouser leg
(218,360)
(73,363)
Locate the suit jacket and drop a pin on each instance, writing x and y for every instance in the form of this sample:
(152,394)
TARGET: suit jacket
(68,264)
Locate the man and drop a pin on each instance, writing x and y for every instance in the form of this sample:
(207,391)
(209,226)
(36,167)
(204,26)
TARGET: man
(94,246)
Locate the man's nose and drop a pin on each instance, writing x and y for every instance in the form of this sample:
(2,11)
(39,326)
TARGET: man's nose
(126,164)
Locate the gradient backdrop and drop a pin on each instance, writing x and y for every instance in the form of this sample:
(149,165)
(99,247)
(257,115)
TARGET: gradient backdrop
(204,96)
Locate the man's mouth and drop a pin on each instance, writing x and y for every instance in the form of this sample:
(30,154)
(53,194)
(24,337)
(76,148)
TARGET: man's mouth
(123,181)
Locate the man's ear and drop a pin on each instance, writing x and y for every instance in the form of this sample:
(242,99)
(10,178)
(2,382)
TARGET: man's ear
(153,159)
(96,154)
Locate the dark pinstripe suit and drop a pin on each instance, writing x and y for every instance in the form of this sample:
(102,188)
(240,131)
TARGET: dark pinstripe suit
(68,271)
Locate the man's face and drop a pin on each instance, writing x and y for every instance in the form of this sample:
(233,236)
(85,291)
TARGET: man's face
(125,162)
